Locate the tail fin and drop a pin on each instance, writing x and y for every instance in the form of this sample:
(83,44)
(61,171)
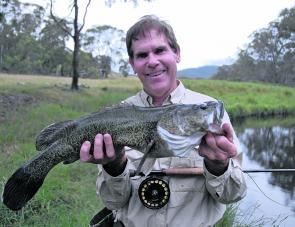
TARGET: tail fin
(27,180)
(19,189)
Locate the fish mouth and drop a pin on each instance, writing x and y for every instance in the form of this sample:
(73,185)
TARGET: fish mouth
(216,129)
(155,73)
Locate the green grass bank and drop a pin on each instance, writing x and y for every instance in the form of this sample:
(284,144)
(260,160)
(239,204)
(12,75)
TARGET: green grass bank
(67,197)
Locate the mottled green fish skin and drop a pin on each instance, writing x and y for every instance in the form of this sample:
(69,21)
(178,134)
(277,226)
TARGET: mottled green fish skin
(128,125)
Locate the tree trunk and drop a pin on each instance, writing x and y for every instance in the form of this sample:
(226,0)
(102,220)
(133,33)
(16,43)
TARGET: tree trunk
(75,65)
(76,37)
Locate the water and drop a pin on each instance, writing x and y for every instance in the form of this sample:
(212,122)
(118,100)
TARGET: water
(268,144)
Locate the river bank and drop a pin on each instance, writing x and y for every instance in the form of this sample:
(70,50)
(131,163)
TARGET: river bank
(241,99)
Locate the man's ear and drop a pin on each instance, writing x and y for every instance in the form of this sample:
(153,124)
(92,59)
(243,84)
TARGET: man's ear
(131,62)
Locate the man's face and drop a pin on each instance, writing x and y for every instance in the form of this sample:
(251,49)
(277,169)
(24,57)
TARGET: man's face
(155,64)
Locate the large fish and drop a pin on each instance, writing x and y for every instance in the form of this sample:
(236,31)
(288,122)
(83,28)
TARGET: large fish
(172,130)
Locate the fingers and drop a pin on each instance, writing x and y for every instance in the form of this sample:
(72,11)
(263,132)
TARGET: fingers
(84,152)
(103,151)
(224,144)
(216,147)
(110,150)
(229,132)
(98,147)
(103,147)
(210,148)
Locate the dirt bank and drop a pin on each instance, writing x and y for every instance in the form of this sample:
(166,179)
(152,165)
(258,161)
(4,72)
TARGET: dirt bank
(12,102)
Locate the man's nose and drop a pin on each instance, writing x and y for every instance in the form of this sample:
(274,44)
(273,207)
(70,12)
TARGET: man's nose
(153,60)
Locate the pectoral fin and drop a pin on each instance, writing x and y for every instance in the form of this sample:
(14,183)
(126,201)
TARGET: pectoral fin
(146,153)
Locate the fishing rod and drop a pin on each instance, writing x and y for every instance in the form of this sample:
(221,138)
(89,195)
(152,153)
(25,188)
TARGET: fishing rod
(154,191)
(199,171)
(268,170)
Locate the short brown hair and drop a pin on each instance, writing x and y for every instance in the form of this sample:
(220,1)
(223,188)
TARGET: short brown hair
(146,24)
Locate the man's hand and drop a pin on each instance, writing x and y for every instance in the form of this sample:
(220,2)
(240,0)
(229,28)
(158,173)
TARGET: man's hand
(104,153)
(217,150)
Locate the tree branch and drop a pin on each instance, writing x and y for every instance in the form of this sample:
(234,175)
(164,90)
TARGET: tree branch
(59,21)
(84,17)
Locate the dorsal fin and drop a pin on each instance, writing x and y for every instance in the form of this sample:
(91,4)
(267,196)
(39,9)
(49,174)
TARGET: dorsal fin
(116,106)
(52,133)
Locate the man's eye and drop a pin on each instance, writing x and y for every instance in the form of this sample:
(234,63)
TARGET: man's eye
(159,50)
(141,55)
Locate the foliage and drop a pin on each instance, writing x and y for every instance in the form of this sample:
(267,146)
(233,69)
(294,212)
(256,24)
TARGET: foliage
(104,65)
(32,43)
(106,43)
(269,57)
(77,29)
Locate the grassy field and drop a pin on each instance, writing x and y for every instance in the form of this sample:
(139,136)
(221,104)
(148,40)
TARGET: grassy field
(67,197)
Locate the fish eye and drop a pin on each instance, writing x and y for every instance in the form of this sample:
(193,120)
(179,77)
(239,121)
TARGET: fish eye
(203,106)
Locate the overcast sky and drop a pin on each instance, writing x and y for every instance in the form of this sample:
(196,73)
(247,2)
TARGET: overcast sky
(208,31)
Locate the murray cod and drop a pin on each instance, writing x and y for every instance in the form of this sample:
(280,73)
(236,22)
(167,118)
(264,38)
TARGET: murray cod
(172,130)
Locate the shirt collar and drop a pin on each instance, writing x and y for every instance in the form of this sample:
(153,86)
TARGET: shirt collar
(173,98)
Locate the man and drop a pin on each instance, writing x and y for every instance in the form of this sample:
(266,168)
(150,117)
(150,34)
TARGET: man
(194,200)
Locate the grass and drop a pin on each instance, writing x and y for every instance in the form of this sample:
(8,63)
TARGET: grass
(233,216)
(248,99)
(67,197)
(63,200)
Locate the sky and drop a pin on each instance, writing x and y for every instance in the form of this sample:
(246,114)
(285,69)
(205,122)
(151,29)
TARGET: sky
(209,32)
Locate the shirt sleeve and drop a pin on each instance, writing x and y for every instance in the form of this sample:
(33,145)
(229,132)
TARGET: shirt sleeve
(114,191)
(231,185)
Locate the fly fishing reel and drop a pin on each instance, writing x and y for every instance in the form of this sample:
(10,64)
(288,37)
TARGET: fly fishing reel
(154,192)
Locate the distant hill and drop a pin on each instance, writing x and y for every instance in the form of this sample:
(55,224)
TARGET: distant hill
(204,72)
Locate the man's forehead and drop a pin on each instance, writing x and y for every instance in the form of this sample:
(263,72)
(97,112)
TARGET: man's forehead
(148,34)
(149,42)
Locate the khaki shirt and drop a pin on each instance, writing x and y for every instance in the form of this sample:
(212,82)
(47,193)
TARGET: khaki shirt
(194,200)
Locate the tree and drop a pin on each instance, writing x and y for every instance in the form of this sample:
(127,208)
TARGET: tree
(106,41)
(19,49)
(124,68)
(77,33)
(3,4)
(89,65)
(75,36)
(55,57)
(104,63)
(270,56)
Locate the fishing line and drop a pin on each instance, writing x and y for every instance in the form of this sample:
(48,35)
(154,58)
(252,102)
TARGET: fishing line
(265,193)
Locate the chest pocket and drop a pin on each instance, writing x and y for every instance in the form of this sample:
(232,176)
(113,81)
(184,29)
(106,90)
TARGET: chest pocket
(184,188)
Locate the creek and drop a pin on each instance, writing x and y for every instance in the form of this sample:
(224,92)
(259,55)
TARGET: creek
(268,144)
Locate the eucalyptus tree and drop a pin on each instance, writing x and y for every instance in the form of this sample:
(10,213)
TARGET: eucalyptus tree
(287,31)
(19,28)
(106,42)
(56,56)
(75,36)
(273,49)
(77,29)
(270,55)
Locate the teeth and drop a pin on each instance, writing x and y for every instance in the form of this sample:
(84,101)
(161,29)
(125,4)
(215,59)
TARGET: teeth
(154,73)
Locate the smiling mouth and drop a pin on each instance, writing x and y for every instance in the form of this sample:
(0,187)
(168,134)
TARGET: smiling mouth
(154,74)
